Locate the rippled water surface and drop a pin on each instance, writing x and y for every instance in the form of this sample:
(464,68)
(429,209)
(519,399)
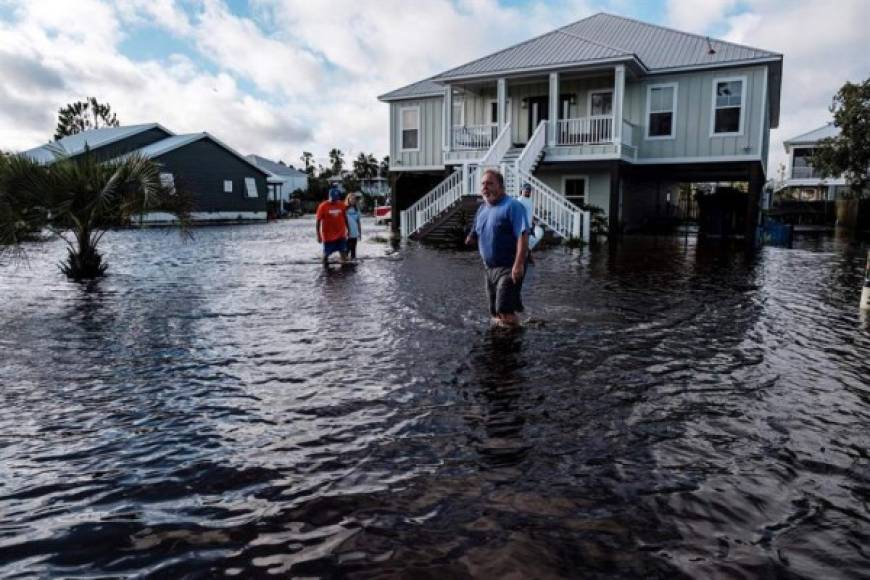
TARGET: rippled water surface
(225,407)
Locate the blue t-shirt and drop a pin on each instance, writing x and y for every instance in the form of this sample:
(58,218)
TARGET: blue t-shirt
(498,227)
(353,219)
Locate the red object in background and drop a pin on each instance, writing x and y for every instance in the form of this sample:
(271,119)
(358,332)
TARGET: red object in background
(383,213)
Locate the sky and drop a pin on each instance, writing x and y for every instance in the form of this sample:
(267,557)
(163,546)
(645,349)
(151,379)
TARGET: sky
(279,77)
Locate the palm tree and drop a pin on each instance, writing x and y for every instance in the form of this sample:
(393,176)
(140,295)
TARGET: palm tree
(307,158)
(336,160)
(79,199)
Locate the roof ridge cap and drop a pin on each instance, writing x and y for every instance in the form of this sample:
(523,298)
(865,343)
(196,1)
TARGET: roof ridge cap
(695,34)
(517,45)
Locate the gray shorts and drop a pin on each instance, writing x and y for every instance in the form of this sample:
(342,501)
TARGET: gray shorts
(504,296)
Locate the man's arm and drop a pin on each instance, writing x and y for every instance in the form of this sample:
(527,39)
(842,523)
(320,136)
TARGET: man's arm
(519,268)
(317,228)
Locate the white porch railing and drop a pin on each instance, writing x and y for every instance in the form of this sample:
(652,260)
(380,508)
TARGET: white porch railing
(584,131)
(474,136)
(533,148)
(499,147)
(556,212)
(806,172)
(432,204)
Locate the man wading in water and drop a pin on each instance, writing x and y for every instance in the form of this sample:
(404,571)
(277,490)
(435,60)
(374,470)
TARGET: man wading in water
(501,230)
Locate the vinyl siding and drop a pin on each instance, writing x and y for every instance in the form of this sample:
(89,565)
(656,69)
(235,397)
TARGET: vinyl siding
(693,116)
(430,138)
(597,194)
(201,168)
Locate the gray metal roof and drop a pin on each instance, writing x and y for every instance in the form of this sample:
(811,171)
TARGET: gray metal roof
(93,138)
(164,146)
(596,39)
(420,89)
(275,168)
(823,132)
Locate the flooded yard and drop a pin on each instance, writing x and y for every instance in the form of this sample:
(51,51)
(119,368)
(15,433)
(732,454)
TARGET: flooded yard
(225,407)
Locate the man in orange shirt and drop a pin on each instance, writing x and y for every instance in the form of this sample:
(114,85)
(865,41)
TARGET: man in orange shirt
(331,226)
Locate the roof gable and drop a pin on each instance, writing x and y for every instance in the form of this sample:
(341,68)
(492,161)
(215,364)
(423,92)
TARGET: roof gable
(823,132)
(73,145)
(598,38)
(169,144)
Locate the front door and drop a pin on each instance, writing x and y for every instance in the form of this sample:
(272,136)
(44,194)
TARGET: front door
(539,109)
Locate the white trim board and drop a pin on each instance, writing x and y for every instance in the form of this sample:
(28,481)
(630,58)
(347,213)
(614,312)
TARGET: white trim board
(402,129)
(674,100)
(154,217)
(742,119)
(710,159)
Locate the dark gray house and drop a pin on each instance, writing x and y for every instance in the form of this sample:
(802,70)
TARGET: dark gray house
(225,185)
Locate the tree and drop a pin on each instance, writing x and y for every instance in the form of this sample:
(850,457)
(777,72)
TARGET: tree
(307,158)
(78,199)
(848,154)
(384,169)
(365,166)
(83,115)
(336,161)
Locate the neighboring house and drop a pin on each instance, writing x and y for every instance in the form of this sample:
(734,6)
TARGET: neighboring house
(606,111)
(802,181)
(283,180)
(225,186)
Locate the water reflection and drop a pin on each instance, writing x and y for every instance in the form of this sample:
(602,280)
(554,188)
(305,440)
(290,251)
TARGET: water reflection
(227,407)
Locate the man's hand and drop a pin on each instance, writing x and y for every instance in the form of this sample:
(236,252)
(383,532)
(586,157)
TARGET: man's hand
(319,239)
(470,240)
(517,273)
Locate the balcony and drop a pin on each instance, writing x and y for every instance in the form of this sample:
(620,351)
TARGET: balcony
(584,131)
(805,172)
(474,137)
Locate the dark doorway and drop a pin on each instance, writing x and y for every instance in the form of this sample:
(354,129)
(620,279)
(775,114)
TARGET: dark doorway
(538,110)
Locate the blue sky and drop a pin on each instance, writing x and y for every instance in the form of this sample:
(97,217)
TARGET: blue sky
(278,77)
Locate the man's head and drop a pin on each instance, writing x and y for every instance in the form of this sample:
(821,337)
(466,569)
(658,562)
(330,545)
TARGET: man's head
(334,194)
(527,190)
(492,186)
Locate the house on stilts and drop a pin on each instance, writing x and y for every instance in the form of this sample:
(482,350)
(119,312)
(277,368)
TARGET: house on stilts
(607,111)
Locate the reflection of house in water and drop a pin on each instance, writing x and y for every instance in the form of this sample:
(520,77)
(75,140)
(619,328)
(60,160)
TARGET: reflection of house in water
(803,182)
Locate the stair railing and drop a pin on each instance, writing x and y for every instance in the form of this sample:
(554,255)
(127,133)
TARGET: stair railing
(556,212)
(428,207)
(529,156)
(499,147)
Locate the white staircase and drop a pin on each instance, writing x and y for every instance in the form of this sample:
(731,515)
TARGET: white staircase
(517,166)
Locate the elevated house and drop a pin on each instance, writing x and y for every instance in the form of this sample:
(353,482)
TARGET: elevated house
(283,180)
(607,111)
(803,182)
(225,186)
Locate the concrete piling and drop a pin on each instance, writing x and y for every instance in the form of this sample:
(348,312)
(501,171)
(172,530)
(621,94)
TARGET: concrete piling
(865,292)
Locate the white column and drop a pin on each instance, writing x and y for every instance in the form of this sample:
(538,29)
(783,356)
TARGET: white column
(501,90)
(448,118)
(554,109)
(618,96)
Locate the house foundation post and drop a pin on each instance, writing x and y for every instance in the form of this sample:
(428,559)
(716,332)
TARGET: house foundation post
(753,204)
(615,201)
(394,206)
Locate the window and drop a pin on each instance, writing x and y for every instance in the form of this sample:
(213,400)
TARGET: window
(574,187)
(251,187)
(459,113)
(661,106)
(167,180)
(228,185)
(600,103)
(409,125)
(728,98)
(493,112)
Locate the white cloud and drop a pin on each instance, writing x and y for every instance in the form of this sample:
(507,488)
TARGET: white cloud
(295,75)
(697,17)
(823,46)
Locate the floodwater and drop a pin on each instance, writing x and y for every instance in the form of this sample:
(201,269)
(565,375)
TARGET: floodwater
(224,407)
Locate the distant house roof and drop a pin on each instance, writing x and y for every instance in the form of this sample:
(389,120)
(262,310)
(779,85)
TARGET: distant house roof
(93,138)
(602,38)
(164,146)
(823,132)
(274,168)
